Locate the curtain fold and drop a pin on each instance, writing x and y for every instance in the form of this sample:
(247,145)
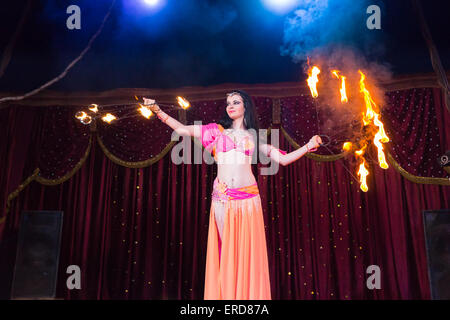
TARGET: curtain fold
(141,232)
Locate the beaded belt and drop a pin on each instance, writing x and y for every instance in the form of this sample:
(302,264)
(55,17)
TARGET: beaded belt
(222,193)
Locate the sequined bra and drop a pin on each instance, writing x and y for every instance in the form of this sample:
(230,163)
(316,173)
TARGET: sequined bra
(215,141)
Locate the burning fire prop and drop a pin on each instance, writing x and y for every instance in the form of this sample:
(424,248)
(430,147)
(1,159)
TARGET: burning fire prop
(94,111)
(83,117)
(342,90)
(94,108)
(183,102)
(313,79)
(108,118)
(370,120)
(145,111)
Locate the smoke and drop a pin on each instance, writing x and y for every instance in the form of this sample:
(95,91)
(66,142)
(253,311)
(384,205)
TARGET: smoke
(349,62)
(301,31)
(332,34)
(344,119)
(318,23)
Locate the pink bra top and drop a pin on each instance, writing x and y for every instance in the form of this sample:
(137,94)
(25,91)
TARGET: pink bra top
(215,141)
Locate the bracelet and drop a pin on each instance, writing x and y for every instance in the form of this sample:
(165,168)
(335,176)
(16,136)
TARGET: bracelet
(307,148)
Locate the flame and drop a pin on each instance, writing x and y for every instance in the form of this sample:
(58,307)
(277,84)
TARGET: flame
(342,90)
(361,151)
(136,98)
(86,120)
(313,80)
(368,101)
(145,111)
(383,137)
(380,136)
(80,115)
(93,107)
(347,146)
(362,173)
(183,102)
(83,117)
(108,118)
(371,114)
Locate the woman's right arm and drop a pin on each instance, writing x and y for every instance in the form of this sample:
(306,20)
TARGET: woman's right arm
(181,129)
(177,126)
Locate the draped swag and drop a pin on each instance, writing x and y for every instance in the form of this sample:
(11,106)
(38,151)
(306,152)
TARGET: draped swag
(136,223)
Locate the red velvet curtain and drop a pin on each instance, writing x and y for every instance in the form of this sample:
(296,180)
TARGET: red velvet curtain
(141,233)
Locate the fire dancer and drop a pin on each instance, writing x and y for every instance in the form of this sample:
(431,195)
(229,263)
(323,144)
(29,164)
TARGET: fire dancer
(236,262)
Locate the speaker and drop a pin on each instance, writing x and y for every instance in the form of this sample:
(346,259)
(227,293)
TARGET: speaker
(437,237)
(37,256)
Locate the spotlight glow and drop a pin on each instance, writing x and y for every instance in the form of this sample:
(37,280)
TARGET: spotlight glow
(151,2)
(281,6)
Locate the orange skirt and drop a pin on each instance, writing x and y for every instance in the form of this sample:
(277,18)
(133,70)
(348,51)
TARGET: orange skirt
(236,264)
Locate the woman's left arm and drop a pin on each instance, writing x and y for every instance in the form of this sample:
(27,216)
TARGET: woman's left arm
(287,158)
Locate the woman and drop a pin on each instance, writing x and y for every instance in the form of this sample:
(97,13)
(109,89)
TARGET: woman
(236,259)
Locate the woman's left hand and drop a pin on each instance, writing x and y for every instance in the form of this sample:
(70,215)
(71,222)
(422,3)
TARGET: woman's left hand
(314,143)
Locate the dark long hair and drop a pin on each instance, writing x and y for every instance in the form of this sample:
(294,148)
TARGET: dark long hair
(250,117)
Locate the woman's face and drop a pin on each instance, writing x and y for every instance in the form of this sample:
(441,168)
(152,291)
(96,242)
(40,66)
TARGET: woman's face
(235,106)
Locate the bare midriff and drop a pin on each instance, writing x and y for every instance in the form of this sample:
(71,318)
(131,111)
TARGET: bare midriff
(234,168)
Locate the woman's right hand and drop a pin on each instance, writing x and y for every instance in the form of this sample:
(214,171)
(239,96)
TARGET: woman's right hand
(151,104)
(148,102)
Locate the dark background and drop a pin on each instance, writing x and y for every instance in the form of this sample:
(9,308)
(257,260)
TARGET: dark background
(202,42)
